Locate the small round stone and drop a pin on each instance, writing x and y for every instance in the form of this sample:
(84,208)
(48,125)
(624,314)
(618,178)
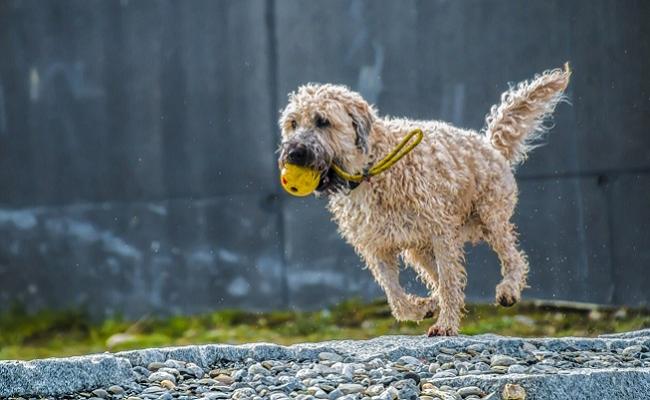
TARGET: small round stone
(239,375)
(348,388)
(516,369)
(215,395)
(329,356)
(632,351)
(167,384)
(153,390)
(389,394)
(174,364)
(481,366)
(409,360)
(115,389)
(374,390)
(444,358)
(512,391)
(448,365)
(101,393)
(500,360)
(155,366)
(447,350)
(257,368)
(433,368)
(140,370)
(499,369)
(169,370)
(161,376)
(412,375)
(470,391)
(195,370)
(224,379)
(348,371)
(443,374)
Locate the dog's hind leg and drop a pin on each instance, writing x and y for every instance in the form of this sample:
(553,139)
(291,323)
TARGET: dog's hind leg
(451,285)
(423,262)
(404,306)
(495,210)
(514,264)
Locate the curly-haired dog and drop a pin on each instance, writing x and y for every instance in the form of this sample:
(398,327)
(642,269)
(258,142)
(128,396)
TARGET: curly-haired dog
(458,185)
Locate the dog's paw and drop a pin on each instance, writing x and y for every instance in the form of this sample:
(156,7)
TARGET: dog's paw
(439,330)
(507,296)
(427,310)
(427,307)
(415,315)
(506,301)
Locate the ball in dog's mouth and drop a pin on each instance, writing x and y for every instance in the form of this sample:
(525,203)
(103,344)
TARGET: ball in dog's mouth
(298,180)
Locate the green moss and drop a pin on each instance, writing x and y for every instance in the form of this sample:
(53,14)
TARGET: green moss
(61,333)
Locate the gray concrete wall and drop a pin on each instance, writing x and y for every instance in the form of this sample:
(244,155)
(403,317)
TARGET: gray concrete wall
(137,138)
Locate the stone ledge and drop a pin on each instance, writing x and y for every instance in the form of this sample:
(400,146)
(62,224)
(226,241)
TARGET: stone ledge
(58,376)
(584,384)
(55,376)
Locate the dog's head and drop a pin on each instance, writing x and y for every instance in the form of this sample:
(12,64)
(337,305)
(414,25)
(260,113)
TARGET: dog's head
(325,124)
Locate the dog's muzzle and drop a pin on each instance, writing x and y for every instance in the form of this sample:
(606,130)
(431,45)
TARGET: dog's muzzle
(300,155)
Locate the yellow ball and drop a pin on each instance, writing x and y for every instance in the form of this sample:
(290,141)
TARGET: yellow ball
(299,181)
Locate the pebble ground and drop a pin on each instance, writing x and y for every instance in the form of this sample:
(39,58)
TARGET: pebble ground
(333,376)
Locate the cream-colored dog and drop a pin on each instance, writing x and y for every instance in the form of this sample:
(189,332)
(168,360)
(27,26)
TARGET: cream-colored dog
(457,186)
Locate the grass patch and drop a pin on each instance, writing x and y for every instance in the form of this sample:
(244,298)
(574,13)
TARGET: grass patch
(64,333)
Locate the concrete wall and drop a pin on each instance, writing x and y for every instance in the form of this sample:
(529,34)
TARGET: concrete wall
(137,138)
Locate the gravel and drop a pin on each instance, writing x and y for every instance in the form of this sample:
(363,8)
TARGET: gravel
(387,368)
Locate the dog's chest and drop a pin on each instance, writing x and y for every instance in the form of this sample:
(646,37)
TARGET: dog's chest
(373,221)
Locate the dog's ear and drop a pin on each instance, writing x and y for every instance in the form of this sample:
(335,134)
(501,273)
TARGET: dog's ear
(284,113)
(362,120)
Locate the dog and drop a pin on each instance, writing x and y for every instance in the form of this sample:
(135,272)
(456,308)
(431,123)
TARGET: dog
(456,186)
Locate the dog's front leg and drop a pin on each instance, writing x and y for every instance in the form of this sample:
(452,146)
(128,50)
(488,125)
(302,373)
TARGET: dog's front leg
(451,286)
(404,306)
(423,262)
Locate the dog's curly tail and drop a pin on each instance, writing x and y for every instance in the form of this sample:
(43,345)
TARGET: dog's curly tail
(514,125)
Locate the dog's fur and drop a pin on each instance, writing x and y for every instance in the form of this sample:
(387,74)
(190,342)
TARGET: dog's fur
(457,186)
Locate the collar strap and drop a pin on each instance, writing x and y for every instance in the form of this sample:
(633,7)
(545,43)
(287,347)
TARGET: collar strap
(402,149)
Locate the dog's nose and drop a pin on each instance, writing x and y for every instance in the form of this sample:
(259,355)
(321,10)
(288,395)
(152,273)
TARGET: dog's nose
(299,156)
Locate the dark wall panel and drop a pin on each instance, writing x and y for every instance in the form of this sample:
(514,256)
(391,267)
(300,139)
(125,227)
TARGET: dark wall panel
(135,101)
(611,88)
(137,138)
(141,258)
(321,269)
(630,243)
(564,230)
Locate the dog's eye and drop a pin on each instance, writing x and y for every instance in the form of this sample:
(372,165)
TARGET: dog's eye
(321,122)
(294,124)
